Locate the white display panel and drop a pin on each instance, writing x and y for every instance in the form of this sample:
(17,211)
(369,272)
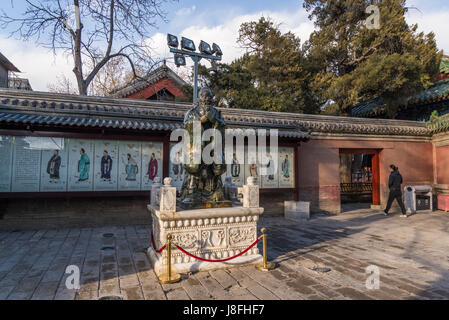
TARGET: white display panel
(106,165)
(286,167)
(251,170)
(6,149)
(54,167)
(129,169)
(236,171)
(152,164)
(176,171)
(271,178)
(81,155)
(26,164)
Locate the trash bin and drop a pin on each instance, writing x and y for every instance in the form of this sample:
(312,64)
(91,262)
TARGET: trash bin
(418,198)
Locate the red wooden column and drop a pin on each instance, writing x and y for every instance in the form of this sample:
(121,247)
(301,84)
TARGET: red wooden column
(376,178)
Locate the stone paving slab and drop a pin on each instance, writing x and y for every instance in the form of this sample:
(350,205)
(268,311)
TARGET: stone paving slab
(412,256)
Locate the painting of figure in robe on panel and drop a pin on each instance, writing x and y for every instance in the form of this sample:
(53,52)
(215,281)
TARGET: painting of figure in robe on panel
(130,161)
(270,178)
(80,168)
(286,167)
(151,163)
(106,165)
(176,170)
(236,171)
(54,166)
(251,169)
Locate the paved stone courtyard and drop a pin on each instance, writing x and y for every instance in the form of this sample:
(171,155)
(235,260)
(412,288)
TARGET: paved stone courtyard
(412,255)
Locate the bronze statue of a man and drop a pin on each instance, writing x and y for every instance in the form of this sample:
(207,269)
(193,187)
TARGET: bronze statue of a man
(202,186)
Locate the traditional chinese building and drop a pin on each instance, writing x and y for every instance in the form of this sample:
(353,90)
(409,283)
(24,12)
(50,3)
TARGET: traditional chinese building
(160,84)
(418,107)
(94,159)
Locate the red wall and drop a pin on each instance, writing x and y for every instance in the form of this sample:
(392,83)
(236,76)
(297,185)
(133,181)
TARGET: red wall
(442,164)
(319,178)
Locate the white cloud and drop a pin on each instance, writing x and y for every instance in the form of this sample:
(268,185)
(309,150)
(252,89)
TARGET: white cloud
(185,11)
(37,64)
(41,67)
(436,21)
(226,34)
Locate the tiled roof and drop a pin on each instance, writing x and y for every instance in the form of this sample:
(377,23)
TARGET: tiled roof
(153,77)
(7,64)
(435,93)
(31,107)
(444,66)
(440,124)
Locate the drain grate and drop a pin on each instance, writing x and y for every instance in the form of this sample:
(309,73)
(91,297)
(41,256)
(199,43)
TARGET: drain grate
(323,270)
(108,235)
(111,298)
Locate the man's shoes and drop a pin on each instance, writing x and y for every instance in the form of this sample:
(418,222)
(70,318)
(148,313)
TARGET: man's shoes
(403,216)
(384,213)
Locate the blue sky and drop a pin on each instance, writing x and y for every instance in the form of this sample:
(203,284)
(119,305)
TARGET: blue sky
(212,21)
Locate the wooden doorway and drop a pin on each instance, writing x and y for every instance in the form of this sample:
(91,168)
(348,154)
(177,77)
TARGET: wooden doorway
(367,182)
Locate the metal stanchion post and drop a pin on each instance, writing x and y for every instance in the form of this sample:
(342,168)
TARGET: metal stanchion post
(169,277)
(266,265)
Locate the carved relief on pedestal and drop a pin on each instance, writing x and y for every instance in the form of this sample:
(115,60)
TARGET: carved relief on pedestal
(186,240)
(213,238)
(242,235)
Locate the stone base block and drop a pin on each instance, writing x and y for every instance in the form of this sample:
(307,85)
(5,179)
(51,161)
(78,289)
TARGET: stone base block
(297,210)
(214,234)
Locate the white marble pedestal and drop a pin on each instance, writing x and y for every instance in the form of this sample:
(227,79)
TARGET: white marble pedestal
(215,233)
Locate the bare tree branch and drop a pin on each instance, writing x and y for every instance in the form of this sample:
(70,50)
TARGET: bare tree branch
(101,31)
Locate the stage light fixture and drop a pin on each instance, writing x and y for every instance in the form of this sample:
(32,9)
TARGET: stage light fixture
(205,48)
(216,49)
(180,60)
(187,44)
(172,41)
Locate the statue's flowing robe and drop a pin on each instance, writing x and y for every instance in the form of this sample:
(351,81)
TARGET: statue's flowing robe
(203,180)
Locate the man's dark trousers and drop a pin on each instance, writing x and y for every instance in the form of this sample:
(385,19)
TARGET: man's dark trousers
(395,194)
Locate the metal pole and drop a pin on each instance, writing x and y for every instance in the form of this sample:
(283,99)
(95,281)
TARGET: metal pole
(195,79)
(169,277)
(265,266)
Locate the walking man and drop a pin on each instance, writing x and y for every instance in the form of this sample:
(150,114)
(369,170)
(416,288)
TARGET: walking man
(394,183)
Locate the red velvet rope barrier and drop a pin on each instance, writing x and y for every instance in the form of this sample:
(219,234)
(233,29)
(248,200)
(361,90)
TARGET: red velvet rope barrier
(154,244)
(221,260)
